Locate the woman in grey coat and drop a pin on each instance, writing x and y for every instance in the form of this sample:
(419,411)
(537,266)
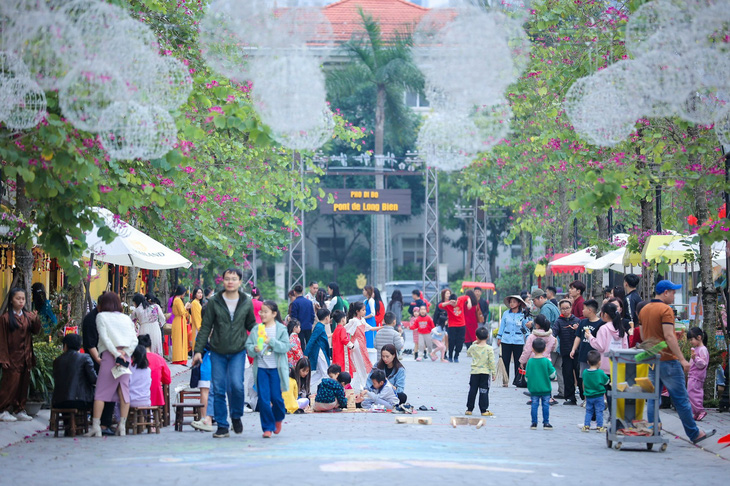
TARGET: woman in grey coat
(396,307)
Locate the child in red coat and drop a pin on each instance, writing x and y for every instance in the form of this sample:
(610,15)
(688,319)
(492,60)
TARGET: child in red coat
(341,346)
(422,325)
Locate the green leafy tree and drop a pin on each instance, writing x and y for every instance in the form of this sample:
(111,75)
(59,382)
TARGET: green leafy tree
(223,190)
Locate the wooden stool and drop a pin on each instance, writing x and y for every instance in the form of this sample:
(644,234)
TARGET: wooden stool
(77,421)
(183,410)
(192,394)
(166,407)
(140,418)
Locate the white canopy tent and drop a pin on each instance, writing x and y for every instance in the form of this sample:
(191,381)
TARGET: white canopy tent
(131,247)
(613,260)
(586,257)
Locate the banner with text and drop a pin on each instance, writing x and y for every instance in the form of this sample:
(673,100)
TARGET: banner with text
(366,201)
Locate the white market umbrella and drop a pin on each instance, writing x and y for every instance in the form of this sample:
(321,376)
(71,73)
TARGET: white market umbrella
(613,260)
(131,247)
(586,258)
(575,262)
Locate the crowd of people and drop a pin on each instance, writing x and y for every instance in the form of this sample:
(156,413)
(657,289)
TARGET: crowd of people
(570,340)
(314,357)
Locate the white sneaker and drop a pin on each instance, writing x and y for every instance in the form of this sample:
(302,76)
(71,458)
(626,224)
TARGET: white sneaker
(7,417)
(247,409)
(200,425)
(23,416)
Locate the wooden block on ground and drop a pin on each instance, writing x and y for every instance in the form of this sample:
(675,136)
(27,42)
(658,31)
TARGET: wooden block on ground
(467,421)
(410,419)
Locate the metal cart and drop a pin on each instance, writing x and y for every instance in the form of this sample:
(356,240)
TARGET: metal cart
(627,356)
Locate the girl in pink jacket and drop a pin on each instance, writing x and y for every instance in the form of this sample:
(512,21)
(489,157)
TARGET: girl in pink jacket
(697,371)
(610,336)
(541,329)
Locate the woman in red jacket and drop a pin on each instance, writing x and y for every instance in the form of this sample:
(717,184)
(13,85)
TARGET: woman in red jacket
(457,326)
(472,317)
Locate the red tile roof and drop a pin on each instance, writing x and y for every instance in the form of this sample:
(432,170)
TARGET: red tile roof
(394,16)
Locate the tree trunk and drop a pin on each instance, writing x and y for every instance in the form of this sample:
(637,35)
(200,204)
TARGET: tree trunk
(379,240)
(164,289)
(76,298)
(492,251)
(525,248)
(132,284)
(602,224)
(709,293)
(648,223)
(565,234)
(23,254)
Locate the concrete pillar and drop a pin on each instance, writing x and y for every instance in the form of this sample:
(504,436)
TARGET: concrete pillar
(280,279)
(443,273)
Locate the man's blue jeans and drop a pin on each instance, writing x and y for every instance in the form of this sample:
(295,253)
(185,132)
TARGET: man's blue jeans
(227,373)
(545,408)
(671,375)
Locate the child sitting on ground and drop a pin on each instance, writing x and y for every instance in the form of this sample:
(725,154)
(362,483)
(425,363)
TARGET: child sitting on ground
(482,366)
(380,393)
(538,375)
(296,398)
(594,387)
(330,393)
(439,348)
(345,379)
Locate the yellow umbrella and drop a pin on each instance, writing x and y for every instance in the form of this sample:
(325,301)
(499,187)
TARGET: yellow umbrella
(632,259)
(657,249)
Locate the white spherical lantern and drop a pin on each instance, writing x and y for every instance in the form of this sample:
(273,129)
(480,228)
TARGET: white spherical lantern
(24,101)
(48,44)
(448,140)
(127,128)
(87,91)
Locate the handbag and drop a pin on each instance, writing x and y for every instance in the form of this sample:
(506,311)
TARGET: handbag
(520,381)
(118,371)
(195,376)
(480,315)
(167,330)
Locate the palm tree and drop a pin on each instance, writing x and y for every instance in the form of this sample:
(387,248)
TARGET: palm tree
(387,65)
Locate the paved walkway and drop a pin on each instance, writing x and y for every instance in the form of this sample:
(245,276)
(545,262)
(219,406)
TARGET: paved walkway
(360,448)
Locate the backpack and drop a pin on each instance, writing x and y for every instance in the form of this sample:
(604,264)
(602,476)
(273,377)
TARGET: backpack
(339,301)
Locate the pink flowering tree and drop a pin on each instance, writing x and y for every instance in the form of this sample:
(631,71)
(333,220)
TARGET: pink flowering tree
(223,190)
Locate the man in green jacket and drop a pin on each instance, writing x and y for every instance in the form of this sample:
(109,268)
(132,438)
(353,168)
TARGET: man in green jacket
(228,319)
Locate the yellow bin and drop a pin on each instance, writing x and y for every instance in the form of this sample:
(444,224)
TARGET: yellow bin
(632,409)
